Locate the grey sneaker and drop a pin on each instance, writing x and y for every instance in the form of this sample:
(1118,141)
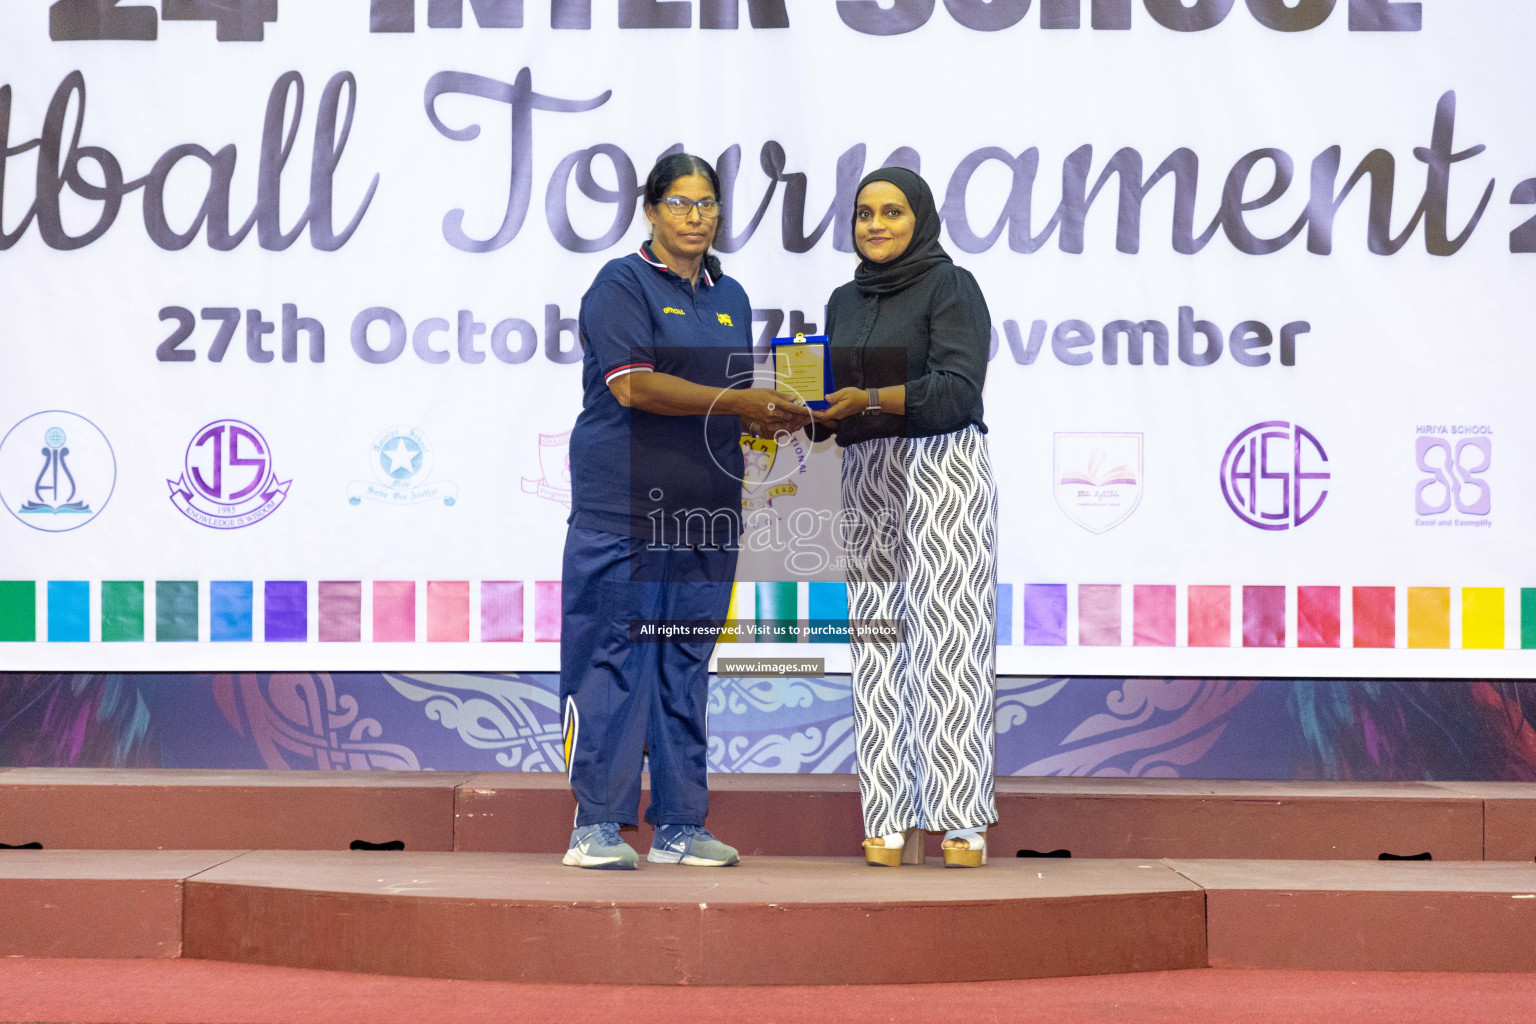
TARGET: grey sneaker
(691,845)
(599,846)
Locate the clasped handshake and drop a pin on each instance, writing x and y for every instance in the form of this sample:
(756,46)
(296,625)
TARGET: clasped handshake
(766,411)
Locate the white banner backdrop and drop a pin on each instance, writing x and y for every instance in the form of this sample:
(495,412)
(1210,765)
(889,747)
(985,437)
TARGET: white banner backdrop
(295,285)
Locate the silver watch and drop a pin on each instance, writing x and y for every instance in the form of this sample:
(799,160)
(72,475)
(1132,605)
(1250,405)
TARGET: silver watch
(873,408)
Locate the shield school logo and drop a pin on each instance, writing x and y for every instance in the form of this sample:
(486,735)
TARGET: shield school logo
(555,464)
(227,479)
(57,471)
(759,486)
(1098,478)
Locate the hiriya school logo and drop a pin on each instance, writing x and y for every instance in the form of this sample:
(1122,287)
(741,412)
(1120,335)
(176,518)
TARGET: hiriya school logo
(555,464)
(759,485)
(1274,475)
(401,461)
(57,471)
(227,479)
(1456,459)
(1098,478)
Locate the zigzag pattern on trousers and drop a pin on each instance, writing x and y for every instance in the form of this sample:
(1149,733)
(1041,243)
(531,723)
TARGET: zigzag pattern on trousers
(923,551)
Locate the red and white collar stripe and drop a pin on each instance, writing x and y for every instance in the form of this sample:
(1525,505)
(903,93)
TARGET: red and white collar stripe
(645,254)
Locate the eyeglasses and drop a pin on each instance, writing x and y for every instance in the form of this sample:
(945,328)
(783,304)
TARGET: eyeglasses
(679,206)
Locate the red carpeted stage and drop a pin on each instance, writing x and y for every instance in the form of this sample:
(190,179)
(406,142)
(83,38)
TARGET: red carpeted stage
(1163,874)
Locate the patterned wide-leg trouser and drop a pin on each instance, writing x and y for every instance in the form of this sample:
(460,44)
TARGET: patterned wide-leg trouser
(921,547)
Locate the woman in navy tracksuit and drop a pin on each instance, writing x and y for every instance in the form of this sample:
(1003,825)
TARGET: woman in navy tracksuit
(656,471)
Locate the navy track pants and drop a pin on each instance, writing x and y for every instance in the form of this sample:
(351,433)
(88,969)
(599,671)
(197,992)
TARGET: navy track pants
(621,700)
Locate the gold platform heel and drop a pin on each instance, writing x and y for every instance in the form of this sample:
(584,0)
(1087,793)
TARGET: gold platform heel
(965,848)
(895,849)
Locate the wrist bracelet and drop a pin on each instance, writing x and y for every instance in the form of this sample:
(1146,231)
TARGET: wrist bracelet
(873,408)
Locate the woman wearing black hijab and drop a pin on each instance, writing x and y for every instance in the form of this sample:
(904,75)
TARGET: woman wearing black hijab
(910,337)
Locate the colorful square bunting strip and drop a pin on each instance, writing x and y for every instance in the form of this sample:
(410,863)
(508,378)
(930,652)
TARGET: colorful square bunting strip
(500,611)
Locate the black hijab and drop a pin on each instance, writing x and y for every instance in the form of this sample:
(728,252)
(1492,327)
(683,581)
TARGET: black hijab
(923,252)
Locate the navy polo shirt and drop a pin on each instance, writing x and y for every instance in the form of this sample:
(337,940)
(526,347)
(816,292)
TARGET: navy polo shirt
(672,479)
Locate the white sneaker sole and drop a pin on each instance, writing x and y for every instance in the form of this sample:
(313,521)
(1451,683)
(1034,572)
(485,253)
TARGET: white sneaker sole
(672,857)
(579,859)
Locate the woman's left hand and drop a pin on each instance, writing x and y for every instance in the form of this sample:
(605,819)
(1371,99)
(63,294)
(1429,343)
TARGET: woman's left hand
(844,403)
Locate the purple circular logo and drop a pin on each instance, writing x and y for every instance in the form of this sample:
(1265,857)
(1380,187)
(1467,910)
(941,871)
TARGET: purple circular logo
(1274,475)
(227,479)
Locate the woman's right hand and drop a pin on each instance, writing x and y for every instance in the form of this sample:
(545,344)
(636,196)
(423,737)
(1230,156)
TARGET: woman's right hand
(842,404)
(772,410)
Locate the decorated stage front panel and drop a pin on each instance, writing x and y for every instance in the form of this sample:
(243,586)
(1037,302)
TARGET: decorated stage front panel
(288,300)
(1313,729)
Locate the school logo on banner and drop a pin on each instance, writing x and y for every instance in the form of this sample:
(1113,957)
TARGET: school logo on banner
(1098,478)
(57,471)
(555,465)
(1274,475)
(1455,490)
(228,480)
(401,461)
(759,487)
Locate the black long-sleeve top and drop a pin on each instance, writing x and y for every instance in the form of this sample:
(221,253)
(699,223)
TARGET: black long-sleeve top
(933,336)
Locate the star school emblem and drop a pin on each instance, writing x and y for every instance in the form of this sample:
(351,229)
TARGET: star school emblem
(1098,478)
(401,460)
(724,318)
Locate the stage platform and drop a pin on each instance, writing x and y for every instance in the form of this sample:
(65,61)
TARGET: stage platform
(776,815)
(772,921)
(1149,874)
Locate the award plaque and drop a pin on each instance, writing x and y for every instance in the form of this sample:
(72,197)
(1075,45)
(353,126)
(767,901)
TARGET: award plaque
(803,366)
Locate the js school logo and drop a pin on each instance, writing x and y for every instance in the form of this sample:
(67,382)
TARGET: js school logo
(227,479)
(401,461)
(1098,478)
(57,471)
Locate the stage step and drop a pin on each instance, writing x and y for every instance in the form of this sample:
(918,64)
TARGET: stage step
(168,809)
(1509,817)
(95,903)
(818,816)
(772,920)
(1157,818)
(1359,916)
(780,815)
